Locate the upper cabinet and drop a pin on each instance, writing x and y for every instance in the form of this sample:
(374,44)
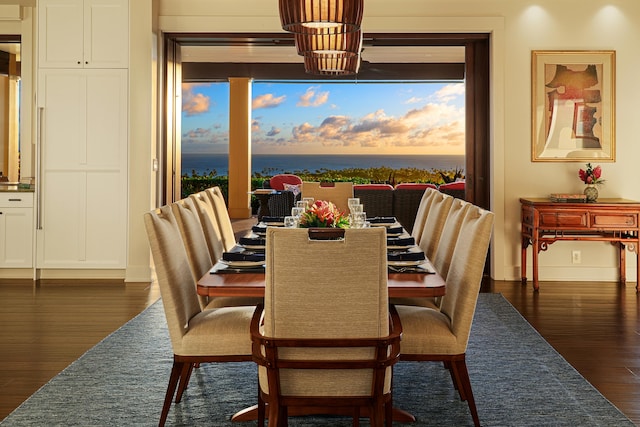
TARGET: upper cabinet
(83,33)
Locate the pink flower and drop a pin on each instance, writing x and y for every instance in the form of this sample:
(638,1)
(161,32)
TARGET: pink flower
(591,175)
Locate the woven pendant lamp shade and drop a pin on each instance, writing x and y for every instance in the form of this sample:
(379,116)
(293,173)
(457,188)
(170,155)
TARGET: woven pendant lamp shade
(328,41)
(332,65)
(306,16)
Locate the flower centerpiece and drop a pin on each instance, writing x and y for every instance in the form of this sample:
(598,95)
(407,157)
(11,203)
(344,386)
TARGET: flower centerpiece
(323,214)
(592,177)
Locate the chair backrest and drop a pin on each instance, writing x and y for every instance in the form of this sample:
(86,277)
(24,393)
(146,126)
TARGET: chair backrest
(442,258)
(455,189)
(194,239)
(326,289)
(175,280)
(465,273)
(434,223)
(377,199)
(209,223)
(336,192)
(222,215)
(421,213)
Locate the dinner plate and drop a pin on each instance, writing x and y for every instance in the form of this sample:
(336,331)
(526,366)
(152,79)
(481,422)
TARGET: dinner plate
(253,246)
(240,264)
(275,224)
(403,247)
(405,263)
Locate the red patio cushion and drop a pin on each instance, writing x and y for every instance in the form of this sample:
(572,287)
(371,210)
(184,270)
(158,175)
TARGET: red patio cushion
(372,187)
(415,186)
(458,185)
(277,182)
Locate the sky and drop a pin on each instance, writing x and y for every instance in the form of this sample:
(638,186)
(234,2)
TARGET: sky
(330,118)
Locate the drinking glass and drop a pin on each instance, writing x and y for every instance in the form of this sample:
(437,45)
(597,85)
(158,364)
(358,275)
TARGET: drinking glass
(301,204)
(296,212)
(290,222)
(309,201)
(358,219)
(356,208)
(353,201)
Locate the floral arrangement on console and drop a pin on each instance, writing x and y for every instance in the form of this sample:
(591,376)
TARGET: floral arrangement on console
(591,175)
(323,214)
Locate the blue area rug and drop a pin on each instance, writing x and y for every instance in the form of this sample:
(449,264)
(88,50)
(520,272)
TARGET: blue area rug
(518,380)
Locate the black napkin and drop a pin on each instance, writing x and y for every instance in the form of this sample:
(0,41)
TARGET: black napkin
(259,229)
(252,241)
(395,230)
(406,256)
(382,220)
(272,219)
(401,241)
(242,256)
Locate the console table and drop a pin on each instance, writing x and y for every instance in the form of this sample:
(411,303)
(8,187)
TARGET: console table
(607,220)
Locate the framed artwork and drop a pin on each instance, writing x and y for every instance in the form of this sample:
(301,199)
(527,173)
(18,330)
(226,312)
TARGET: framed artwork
(573,106)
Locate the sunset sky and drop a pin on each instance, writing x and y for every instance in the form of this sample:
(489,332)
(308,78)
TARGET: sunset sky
(331,118)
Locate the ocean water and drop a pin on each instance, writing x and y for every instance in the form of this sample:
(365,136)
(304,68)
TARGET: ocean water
(272,164)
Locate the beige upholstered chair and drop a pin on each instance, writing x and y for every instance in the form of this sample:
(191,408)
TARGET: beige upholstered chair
(222,215)
(441,260)
(336,192)
(442,335)
(423,210)
(434,223)
(209,223)
(326,339)
(194,240)
(197,336)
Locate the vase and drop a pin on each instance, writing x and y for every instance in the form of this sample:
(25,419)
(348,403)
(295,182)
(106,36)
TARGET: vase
(591,192)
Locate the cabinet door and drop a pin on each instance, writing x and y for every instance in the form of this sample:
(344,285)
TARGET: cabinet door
(83,33)
(60,33)
(83,169)
(106,35)
(16,233)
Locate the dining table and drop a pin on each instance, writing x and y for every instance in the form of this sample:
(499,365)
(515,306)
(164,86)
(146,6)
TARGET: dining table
(405,280)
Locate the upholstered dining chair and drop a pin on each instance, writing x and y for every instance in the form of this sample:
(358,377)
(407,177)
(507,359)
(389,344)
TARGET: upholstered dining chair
(209,224)
(197,336)
(325,338)
(222,215)
(442,335)
(434,223)
(288,185)
(421,213)
(336,192)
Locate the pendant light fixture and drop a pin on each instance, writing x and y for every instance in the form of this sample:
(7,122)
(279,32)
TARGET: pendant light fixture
(332,65)
(306,16)
(329,42)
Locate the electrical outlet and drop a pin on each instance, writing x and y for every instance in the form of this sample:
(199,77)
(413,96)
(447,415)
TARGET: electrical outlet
(576,257)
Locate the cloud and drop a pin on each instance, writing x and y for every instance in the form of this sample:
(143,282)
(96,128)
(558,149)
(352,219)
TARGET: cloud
(273,132)
(268,100)
(194,103)
(450,92)
(311,99)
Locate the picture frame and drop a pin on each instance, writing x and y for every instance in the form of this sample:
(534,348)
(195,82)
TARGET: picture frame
(573,105)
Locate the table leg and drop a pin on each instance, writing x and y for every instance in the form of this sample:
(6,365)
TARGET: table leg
(623,264)
(534,263)
(523,260)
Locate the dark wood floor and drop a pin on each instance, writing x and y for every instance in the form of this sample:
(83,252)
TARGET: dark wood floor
(595,326)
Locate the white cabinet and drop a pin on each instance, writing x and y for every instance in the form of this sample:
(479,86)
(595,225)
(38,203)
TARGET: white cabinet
(83,33)
(16,230)
(83,171)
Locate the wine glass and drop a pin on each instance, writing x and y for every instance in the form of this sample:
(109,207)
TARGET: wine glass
(353,201)
(358,219)
(297,212)
(309,201)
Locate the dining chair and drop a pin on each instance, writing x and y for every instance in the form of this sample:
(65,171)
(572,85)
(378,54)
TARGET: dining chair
(336,192)
(434,221)
(407,198)
(421,213)
(209,224)
(326,338)
(288,187)
(442,335)
(222,215)
(197,336)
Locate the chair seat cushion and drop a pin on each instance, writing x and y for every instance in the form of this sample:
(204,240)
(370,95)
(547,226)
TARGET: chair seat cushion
(427,331)
(222,331)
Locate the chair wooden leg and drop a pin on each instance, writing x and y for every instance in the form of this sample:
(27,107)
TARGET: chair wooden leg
(171,389)
(460,366)
(261,408)
(187,369)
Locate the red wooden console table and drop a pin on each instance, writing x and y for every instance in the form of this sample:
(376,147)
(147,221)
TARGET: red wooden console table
(609,220)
